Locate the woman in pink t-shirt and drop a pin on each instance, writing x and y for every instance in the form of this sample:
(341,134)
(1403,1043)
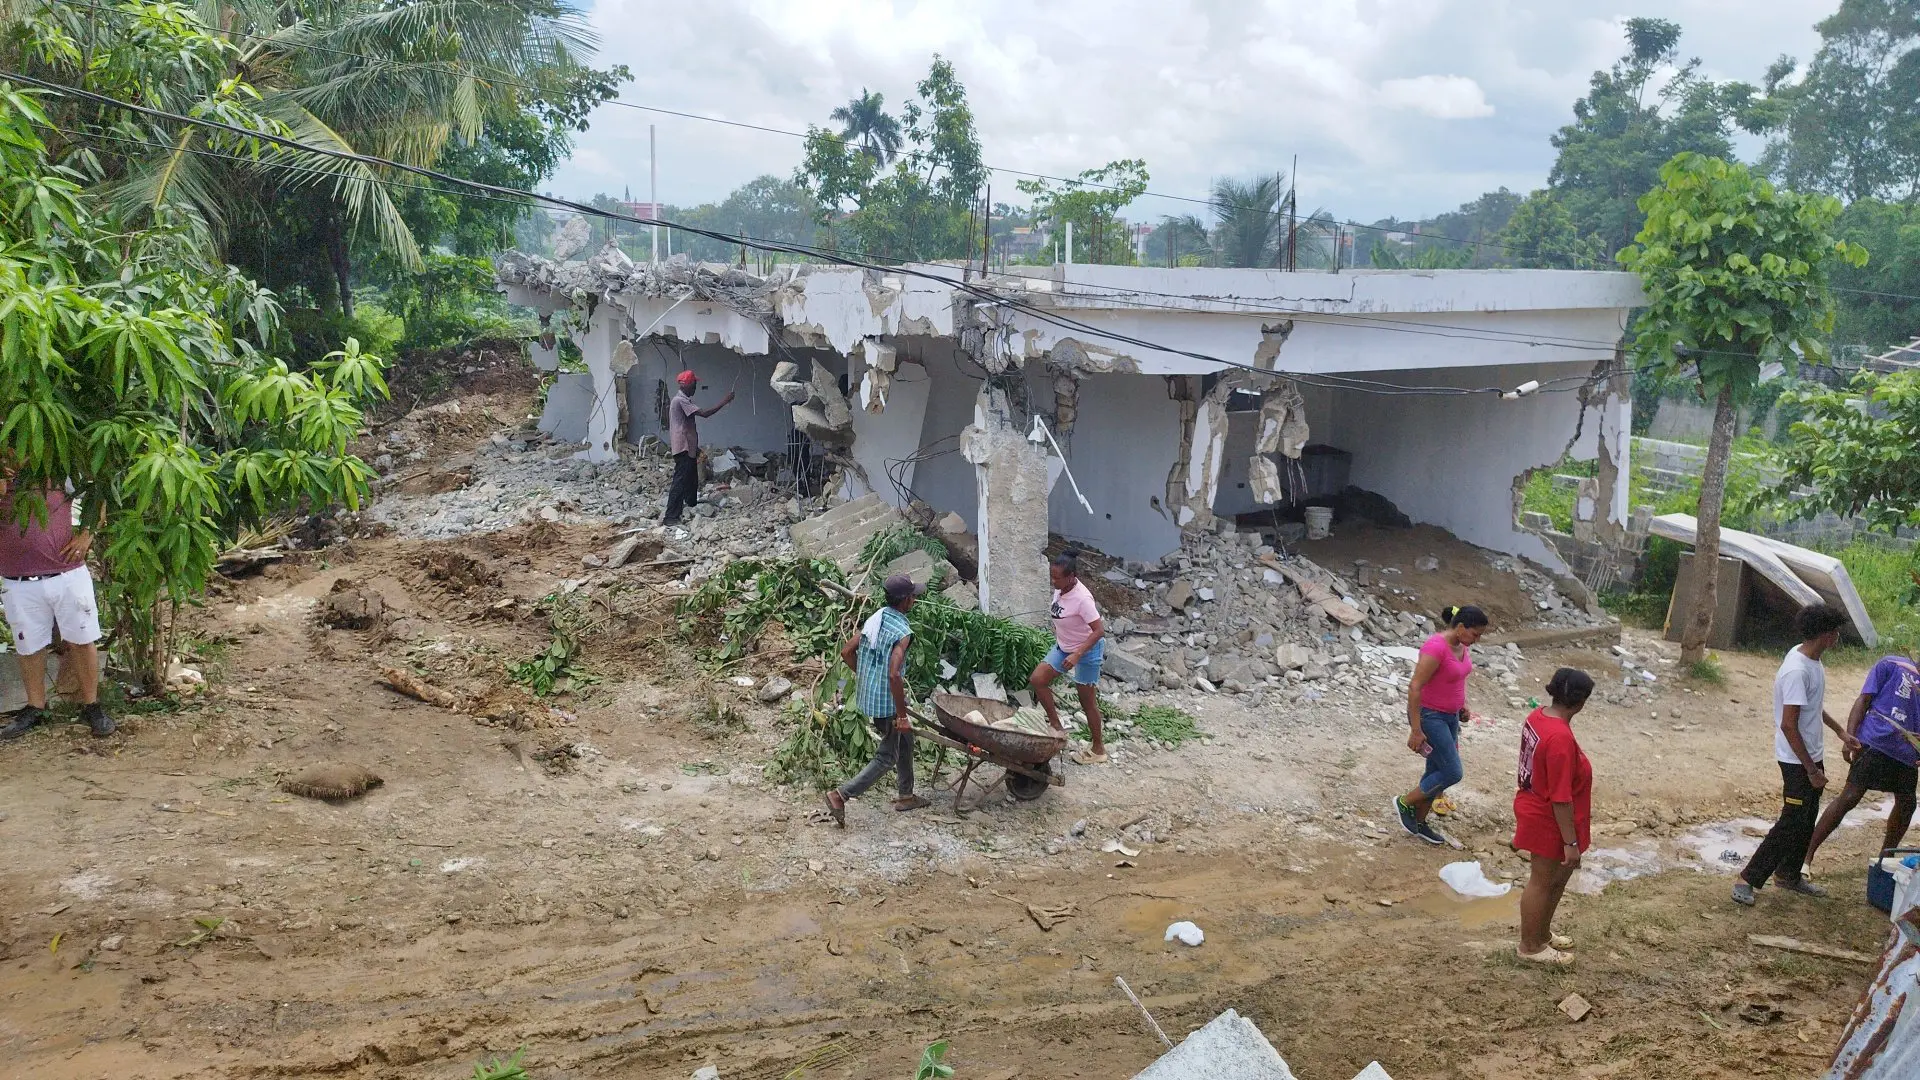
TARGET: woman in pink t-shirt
(1079,638)
(1436,707)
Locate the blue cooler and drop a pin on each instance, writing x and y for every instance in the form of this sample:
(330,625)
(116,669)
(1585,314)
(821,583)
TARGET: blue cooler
(1883,883)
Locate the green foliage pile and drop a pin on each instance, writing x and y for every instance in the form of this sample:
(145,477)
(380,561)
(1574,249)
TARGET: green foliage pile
(726,615)
(889,544)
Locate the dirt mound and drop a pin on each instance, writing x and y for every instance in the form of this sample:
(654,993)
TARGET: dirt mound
(333,780)
(349,607)
(458,572)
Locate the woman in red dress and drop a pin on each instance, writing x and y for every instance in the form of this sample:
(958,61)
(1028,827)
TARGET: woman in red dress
(1552,813)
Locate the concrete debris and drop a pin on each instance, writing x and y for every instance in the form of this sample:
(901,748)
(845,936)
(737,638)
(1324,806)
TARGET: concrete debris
(1576,1007)
(1230,1047)
(921,568)
(963,595)
(840,534)
(610,273)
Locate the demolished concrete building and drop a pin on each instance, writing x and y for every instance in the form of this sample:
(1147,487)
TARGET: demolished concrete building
(1115,406)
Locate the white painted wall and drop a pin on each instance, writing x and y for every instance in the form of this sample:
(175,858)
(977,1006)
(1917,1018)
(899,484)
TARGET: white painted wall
(756,420)
(1125,440)
(881,439)
(946,482)
(1451,461)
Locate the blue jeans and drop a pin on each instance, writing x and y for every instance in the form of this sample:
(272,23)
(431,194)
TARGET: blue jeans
(1444,770)
(1087,671)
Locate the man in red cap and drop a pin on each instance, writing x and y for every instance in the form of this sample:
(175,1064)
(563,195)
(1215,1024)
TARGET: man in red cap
(683,437)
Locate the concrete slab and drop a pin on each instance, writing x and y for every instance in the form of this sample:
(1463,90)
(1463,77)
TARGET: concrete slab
(569,404)
(1230,1047)
(839,535)
(1807,576)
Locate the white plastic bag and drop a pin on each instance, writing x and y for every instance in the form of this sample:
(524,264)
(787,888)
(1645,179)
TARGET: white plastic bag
(1188,933)
(1467,879)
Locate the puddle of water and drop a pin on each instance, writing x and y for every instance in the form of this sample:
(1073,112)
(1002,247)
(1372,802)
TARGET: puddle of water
(1600,867)
(1473,912)
(1710,844)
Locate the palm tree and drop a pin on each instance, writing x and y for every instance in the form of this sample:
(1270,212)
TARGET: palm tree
(397,80)
(1251,225)
(865,122)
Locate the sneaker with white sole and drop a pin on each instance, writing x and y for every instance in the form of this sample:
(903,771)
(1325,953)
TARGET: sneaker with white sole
(1416,828)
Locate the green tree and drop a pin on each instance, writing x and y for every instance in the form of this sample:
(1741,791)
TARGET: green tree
(866,125)
(1627,128)
(1875,310)
(487,88)
(920,208)
(1849,126)
(1250,220)
(766,206)
(1092,202)
(142,374)
(1180,240)
(1736,273)
(1851,460)
(1540,235)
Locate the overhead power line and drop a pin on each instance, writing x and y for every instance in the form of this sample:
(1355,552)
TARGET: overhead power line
(986,296)
(510,79)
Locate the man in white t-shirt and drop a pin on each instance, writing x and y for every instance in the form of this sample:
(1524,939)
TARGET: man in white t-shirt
(1799,743)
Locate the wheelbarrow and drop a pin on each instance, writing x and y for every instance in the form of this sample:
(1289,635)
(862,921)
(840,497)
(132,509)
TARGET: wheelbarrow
(1023,757)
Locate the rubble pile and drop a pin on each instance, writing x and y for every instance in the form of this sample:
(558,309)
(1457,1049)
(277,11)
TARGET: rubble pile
(1229,613)
(610,272)
(520,475)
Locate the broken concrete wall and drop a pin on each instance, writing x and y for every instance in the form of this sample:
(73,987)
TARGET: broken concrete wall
(1450,460)
(1126,441)
(887,440)
(1011,472)
(757,419)
(946,482)
(597,343)
(569,400)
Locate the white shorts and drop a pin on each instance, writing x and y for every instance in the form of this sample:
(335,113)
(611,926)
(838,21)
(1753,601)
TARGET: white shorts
(34,608)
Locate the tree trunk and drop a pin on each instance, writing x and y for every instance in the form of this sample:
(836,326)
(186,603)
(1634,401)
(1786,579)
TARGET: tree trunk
(342,265)
(1706,545)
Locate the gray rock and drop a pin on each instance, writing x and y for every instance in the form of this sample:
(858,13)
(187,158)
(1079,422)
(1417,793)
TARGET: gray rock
(1229,1046)
(1291,656)
(774,689)
(1180,594)
(1129,666)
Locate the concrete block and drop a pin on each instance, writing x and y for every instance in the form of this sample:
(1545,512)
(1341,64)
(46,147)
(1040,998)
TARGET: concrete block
(1129,667)
(1730,608)
(569,402)
(919,566)
(1230,1047)
(1373,1071)
(963,595)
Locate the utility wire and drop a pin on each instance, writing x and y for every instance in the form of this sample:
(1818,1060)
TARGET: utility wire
(509,79)
(515,196)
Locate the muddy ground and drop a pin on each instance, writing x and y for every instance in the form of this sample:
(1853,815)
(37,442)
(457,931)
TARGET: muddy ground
(606,879)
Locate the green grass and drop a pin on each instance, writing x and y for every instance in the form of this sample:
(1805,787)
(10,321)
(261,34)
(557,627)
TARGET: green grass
(1543,496)
(1707,670)
(1883,579)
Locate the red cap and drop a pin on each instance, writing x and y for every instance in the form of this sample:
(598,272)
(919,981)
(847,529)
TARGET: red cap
(688,380)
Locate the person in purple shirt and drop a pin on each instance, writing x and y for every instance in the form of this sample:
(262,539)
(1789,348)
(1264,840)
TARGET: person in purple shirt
(45,586)
(1884,749)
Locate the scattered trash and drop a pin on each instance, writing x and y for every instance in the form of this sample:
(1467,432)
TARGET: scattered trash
(1576,1007)
(1467,879)
(1186,932)
(1113,847)
(332,780)
(1045,917)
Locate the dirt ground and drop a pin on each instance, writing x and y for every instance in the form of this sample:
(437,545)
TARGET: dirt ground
(605,878)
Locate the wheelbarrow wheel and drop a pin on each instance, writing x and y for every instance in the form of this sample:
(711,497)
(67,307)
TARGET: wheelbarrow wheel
(1026,788)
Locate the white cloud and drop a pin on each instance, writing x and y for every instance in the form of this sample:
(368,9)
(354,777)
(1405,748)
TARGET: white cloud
(1198,88)
(1443,97)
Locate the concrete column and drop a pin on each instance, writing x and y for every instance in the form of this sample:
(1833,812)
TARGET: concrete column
(597,344)
(1012,477)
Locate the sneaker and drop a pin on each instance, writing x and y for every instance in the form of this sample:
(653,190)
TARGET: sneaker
(1428,833)
(24,721)
(97,720)
(1801,886)
(1414,826)
(1743,894)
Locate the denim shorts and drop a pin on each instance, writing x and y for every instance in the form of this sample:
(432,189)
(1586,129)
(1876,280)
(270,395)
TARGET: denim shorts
(1444,769)
(1087,671)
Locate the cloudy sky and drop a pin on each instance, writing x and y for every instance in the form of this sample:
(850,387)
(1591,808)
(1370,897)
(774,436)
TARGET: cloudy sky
(1404,107)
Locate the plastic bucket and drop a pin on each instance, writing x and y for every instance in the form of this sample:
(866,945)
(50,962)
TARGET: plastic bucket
(1883,883)
(1319,522)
